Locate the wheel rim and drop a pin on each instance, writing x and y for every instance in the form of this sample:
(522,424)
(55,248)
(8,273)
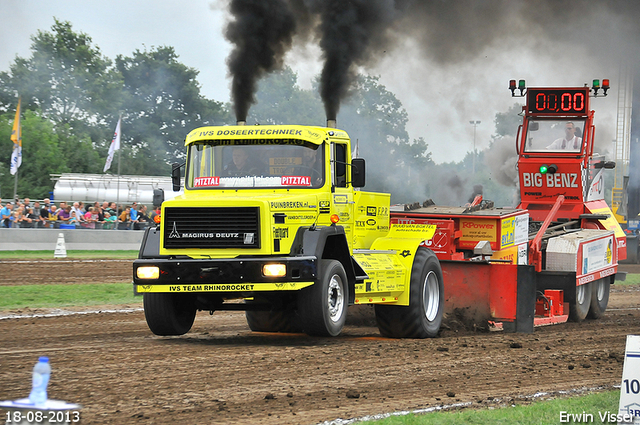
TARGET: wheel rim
(580,294)
(431,296)
(600,290)
(335,298)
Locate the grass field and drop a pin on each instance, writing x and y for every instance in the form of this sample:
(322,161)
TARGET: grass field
(539,413)
(56,296)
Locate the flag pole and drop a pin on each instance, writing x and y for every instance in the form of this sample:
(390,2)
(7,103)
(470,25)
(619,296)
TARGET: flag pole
(15,188)
(16,155)
(118,191)
(115,145)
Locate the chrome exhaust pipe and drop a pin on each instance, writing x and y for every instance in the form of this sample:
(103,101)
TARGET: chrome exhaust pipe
(241,122)
(332,123)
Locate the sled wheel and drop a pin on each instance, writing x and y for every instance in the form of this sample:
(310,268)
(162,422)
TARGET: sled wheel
(579,308)
(169,314)
(323,306)
(423,316)
(599,297)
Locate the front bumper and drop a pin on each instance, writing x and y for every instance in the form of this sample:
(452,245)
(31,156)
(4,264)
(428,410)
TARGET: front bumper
(235,275)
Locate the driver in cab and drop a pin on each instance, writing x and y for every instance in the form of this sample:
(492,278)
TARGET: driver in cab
(241,165)
(569,142)
(311,166)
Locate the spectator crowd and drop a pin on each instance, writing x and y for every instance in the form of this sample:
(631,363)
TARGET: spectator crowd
(24,214)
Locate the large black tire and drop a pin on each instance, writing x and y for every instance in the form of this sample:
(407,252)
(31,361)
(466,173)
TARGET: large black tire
(579,308)
(423,316)
(286,321)
(599,297)
(169,314)
(322,307)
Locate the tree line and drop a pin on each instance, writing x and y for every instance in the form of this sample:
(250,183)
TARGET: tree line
(72,96)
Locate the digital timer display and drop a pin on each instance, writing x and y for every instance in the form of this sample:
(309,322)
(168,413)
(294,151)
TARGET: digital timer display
(557,101)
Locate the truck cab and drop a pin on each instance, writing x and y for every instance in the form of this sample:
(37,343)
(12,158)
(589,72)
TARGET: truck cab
(272,222)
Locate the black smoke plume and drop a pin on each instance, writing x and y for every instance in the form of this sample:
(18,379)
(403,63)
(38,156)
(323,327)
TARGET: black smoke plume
(354,34)
(262,32)
(350,32)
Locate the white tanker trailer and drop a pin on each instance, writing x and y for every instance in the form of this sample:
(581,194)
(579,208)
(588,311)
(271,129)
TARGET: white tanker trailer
(89,188)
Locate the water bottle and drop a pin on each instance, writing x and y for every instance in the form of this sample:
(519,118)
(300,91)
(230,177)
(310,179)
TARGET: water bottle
(41,373)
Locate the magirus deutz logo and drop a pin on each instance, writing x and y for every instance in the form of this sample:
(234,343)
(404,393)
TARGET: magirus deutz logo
(247,237)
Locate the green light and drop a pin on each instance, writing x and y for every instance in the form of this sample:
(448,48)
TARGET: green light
(596,84)
(521,84)
(543,169)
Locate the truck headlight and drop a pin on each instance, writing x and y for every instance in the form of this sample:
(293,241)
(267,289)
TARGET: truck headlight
(148,272)
(274,270)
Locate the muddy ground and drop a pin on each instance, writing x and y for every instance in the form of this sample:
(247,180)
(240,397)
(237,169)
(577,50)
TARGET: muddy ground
(221,372)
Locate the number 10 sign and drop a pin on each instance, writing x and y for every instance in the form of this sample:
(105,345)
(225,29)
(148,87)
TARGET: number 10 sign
(630,388)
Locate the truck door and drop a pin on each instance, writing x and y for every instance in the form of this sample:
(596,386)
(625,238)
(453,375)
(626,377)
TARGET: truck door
(342,192)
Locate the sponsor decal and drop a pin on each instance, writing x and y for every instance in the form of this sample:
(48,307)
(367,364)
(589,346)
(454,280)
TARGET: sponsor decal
(276,205)
(550,180)
(478,229)
(371,211)
(270,132)
(281,233)
(340,199)
(206,181)
(596,254)
(295,181)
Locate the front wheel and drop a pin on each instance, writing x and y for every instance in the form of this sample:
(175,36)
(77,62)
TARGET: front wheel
(322,307)
(599,297)
(579,308)
(169,314)
(423,316)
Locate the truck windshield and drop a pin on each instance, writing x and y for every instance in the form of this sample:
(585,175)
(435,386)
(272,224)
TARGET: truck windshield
(255,163)
(554,136)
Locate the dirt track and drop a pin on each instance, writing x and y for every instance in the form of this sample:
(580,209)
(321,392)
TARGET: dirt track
(221,372)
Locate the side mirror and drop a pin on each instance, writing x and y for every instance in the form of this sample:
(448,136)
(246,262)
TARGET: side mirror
(358,177)
(175,176)
(158,197)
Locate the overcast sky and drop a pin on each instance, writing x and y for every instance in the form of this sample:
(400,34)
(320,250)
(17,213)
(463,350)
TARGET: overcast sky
(441,97)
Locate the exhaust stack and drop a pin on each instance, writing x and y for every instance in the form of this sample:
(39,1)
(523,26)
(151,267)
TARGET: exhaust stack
(241,122)
(332,123)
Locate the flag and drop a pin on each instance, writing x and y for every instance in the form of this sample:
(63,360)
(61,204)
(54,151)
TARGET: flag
(115,145)
(16,138)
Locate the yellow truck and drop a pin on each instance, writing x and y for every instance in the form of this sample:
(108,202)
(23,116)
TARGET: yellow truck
(273,222)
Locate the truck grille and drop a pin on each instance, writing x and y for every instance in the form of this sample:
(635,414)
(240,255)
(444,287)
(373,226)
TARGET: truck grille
(211,227)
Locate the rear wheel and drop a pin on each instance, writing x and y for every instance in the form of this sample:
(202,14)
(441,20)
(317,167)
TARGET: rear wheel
(599,297)
(323,306)
(579,308)
(169,314)
(423,316)
(272,320)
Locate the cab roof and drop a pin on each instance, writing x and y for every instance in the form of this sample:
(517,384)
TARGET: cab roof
(310,134)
